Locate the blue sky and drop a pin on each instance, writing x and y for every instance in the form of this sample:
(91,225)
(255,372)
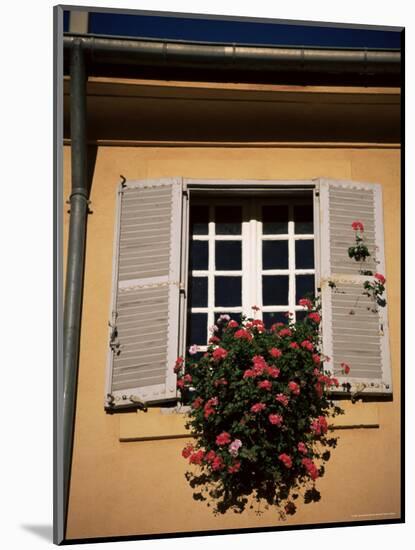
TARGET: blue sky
(261,33)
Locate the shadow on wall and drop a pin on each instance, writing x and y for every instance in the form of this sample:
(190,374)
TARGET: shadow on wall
(45,532)
(154,113)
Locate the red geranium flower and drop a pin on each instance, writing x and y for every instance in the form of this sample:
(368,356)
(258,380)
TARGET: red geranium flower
(257,407)
(243,334)
(274,372)
(357,225)
(306,344)
(219,354)
(234,468)
(283,399)
(223,439)
(196,458)
(314,317)
(305,302)
(380,278)
(275,419)
(275,352)
(345,368)
(217,463)
(187,451)
(294,388)
(265,385)
(311,468)
(286,460)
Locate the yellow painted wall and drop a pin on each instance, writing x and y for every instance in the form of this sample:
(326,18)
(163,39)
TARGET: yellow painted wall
(138,487)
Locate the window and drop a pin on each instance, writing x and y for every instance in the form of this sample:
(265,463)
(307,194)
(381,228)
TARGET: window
(188,250)
(246,252)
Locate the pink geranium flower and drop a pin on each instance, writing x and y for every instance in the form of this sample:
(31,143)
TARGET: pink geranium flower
(234,447)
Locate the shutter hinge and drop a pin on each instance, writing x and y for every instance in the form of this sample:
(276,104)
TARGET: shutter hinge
(360,388)
(182,289)
(114,342)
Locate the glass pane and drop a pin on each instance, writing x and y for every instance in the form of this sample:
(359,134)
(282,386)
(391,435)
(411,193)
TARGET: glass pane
(303,218)
(199,292)
(304,254)
(228,291)
(275,220)
(228,220)
(274,254)
(271,317)
(300,315)
(198,329)
(228,255)
(304,287)
(199,218)
(235,316)
(274,290)
(199,255)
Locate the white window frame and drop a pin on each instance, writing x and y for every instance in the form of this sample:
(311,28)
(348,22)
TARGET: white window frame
(199,191)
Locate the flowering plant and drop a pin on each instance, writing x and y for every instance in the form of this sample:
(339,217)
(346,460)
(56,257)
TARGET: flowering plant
(359,250)
(259,413)
(375,288)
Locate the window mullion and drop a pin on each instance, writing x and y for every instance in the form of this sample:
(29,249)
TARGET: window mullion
(291,260)
(211,266)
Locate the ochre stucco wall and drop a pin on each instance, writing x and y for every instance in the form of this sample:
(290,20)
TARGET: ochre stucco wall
(138,487)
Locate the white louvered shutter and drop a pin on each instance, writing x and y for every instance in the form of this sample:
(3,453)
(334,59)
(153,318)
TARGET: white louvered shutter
(352,332)
(144,332)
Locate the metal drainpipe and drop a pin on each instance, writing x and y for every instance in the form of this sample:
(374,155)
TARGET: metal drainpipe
(76,256)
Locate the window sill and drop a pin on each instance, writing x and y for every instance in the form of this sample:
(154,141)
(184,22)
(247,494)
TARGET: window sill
(170,423)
